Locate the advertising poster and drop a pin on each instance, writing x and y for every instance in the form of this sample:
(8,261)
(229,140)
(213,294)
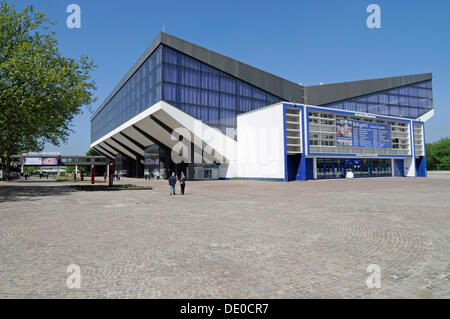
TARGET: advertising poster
(50,161)
(33,161)
(363,134)
(344,132)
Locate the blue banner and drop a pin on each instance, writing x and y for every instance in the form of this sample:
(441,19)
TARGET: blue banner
(351,133)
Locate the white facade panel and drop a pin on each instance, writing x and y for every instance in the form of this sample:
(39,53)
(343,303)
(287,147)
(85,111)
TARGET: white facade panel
(261,152)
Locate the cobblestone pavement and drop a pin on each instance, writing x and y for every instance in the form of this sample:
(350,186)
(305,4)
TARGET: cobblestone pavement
(230,239)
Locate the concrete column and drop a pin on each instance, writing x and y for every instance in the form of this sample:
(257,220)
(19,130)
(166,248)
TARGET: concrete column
(410,163)
(392,167)
(190,174)
(314,167)
(138,161)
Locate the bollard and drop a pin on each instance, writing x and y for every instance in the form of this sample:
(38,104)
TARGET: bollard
(92,175)
(111,172)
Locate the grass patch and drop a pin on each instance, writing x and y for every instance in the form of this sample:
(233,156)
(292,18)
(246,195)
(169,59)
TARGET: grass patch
(70,180)
(90,188)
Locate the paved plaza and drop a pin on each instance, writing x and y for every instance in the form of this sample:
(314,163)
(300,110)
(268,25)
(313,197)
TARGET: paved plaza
(228,239)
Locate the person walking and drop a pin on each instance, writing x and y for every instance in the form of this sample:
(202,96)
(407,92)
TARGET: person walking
(182,183)
(172,183)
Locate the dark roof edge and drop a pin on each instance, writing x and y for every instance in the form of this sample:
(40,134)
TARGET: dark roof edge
(273,84)
(269,82)
(329,93)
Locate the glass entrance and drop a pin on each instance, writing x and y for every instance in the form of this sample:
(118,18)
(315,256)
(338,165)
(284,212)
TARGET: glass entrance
(330,168)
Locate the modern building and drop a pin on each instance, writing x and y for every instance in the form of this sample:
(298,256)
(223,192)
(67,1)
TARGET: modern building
(182,107)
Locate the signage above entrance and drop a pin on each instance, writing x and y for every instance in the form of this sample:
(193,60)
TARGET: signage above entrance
(350,133)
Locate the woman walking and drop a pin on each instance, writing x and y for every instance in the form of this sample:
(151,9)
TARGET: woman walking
(182,183)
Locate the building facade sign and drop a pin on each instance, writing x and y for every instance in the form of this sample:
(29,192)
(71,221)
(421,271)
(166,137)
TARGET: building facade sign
(350,133)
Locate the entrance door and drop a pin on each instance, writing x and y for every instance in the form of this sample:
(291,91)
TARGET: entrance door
(320,170)
(388,170)
(398,167)
(357,170)
(330,168)
(207,174)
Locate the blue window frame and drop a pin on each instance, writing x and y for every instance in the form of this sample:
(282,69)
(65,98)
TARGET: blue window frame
(142,90)
(206,93)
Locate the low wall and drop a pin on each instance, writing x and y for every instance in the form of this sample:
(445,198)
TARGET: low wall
(438,172)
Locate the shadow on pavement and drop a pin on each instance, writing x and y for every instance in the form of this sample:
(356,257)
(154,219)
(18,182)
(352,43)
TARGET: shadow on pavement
(15,193)
(23,181)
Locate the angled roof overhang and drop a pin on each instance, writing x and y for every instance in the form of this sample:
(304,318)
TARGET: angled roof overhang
(156,125)
(329,93)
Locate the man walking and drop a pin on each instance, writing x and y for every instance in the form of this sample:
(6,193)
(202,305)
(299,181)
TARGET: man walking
(172,182)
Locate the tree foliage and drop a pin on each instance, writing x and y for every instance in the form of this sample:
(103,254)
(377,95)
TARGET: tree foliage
(93,152)
(30,169)
(40,90)
(71,169)
(438,155)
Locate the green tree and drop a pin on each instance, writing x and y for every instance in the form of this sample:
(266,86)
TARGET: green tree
(40,90)
(432,161)
(438,154)
(93,152)
(30,169)
(71,169)
(444,164)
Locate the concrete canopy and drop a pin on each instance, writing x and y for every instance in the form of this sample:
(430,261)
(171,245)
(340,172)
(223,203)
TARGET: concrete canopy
(156,125)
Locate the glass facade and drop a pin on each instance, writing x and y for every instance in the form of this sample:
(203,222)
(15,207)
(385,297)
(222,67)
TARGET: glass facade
(410,101)
(216,97)
(196,88)
(207,93)
(330,168)
(142,90)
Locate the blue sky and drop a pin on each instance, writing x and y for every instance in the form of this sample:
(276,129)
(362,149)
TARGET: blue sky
(304,41)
